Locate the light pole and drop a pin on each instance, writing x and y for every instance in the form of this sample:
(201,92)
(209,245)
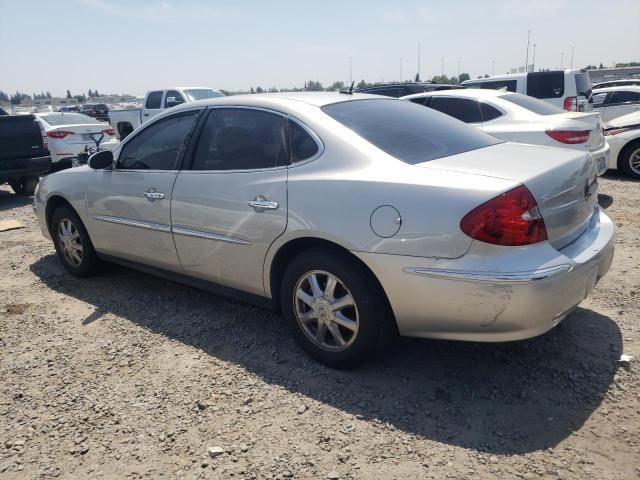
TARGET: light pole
(572,48)
(561,59)
(493,67)
(400,69)
(350,72)
(526,62)
(418,60)
(533,62)
(442,61)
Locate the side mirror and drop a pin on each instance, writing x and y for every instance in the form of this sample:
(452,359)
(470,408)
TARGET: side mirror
(172,102)
(101,160)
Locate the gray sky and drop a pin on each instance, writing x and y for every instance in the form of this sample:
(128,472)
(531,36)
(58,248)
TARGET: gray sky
(131,46)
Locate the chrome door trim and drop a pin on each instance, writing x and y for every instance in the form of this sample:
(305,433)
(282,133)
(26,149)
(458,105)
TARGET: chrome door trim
(133,223)
(492,277)
(187,232)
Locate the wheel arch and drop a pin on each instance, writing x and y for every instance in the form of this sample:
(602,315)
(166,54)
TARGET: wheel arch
(623,150)
(289,250)
(53,203)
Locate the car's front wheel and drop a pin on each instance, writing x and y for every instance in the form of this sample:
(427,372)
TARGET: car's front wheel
(631,160)
(72,243)
(335,310)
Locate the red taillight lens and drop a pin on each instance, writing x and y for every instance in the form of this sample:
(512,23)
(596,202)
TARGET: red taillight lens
(510,219)
(569,136)
(108,131)
(58,134)
(571,104)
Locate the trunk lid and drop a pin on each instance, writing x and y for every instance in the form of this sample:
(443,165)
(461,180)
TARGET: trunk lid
(580,121)
(81,133)
(563,182)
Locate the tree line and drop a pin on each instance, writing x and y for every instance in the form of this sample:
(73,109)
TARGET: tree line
(18,97)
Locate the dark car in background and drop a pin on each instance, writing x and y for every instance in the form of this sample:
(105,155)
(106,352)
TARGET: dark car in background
(398,90)
(99,111)
(69,108)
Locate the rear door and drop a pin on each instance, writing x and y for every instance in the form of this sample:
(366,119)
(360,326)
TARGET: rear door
(231,204)
(619,103)
(152,104)
(130,206)
(464,109)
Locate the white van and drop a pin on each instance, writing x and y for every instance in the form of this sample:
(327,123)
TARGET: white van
(569,89)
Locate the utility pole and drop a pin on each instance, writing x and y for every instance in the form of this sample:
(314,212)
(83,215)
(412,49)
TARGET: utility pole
(458,69)
(572,49)
(493,67)
(400,69)
(442,60)
(561,59)
(533,63)
(526,62)
(350,72)
(419,61)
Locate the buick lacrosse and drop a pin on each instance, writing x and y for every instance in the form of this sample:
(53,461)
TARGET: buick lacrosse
(358,217)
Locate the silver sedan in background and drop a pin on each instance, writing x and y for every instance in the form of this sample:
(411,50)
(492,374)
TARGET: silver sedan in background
(357,216)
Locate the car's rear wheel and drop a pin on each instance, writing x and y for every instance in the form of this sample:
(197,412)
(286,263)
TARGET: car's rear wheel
(72,243)
(24,186)
(335,310)
(631,160)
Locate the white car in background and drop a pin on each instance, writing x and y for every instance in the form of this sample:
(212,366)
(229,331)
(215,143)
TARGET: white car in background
(69,133)
(523,119)
(623,136)
(614,102)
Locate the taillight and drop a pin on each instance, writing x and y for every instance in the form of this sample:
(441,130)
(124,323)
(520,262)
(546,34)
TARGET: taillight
(59,134)
(512,218)
(571,137)
(571,104)
(108,131)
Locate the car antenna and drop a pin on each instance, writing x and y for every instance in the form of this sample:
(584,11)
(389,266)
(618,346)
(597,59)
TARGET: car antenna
(350,91)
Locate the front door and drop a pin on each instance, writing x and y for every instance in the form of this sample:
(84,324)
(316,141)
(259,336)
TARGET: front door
(129,206)
(231,204)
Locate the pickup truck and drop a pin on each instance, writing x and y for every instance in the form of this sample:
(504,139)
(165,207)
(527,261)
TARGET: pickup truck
(124,122)
(23,153)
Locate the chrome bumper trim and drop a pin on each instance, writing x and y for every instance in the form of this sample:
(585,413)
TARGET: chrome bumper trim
(133,223)
(492,277)
(208,236)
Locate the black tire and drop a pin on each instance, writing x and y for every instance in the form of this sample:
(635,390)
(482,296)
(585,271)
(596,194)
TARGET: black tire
(88,259)
(375,324)
(628,154)
(24,186)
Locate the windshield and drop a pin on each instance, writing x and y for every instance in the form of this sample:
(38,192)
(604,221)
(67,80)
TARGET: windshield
(202,93)
(407,131)
(532,104)
(62,118)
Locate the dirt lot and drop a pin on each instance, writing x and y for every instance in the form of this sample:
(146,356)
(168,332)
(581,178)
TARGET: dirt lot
(127,376)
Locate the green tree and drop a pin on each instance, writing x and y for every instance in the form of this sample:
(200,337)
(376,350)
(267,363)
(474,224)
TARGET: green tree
(259,89)
(69,94)
(417,77)
(313,86)
(335,87)
(463,77)
(81,98)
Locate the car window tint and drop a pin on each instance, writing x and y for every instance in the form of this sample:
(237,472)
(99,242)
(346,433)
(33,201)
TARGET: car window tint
(598,99)
(407,131)
(387,92)
(241,139)
(464,109)
(154,100)
(506,85)
(623,97)
(489,112)
(176,95)
(419,100)
(545,84)
(157,146)
(583,84)
(532,104)
(303,146)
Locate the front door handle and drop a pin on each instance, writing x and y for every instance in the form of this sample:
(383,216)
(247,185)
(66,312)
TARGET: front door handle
(152,194)
(260,204)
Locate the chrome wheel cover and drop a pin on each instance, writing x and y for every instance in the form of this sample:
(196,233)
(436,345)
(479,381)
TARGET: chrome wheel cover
(634,161)
(326,311)
(70,242)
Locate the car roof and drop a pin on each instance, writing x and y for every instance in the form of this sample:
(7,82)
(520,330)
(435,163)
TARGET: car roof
(621,88)
(466,92)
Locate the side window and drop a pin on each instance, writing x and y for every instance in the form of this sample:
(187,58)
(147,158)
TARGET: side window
(387,92)
(464,109)
(303,146)
(154,100)
(625,97)
(419,100)
(488,112)
(157,146)
(175,95)
(241,139)
(507,85)
(598,99)
(545,84)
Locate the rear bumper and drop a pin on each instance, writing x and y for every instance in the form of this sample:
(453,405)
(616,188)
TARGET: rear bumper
(493,293)
(601,157)
(25,167)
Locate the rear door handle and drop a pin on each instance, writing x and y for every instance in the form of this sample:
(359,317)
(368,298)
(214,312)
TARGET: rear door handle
(260,203)
(151,194)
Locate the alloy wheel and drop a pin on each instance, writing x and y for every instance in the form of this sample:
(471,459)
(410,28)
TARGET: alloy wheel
(326,311)
(70,242)
(634,161)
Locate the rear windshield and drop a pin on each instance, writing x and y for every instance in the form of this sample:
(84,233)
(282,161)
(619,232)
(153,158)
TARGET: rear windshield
(533,104)
(407,131)
(545,84)
(68,119)
(583,84)
(202,93)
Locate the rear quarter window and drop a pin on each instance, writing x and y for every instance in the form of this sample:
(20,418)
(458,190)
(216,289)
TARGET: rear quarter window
(406,131)
(532,104)
(545,84)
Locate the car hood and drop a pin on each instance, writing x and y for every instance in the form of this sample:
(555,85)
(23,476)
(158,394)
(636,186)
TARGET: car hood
(627,120)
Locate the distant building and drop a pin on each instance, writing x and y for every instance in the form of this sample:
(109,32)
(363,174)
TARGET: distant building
(604,74)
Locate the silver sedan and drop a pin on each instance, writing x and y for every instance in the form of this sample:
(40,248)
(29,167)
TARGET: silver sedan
(358,217)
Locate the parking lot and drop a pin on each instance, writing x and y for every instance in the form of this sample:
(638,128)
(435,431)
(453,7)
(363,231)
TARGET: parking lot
(125,375)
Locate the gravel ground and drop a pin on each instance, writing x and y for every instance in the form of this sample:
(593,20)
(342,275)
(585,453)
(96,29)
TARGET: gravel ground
(127,376)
